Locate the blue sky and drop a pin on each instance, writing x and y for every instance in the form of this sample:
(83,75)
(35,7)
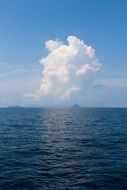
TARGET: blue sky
(25,25)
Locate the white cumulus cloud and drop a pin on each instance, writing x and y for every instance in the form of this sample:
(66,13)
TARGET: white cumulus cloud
(65,69)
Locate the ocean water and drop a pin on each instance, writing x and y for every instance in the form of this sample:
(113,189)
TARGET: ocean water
(63,149)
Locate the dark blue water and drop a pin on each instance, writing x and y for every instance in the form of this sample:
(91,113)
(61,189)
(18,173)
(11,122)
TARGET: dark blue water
(62,149)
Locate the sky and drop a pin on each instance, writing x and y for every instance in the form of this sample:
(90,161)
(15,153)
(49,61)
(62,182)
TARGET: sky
(56,52)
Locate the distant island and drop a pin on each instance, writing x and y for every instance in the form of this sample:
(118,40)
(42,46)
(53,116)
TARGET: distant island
(75,106)
(15,106)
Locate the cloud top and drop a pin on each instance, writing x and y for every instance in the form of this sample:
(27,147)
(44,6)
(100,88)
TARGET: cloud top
(65,68)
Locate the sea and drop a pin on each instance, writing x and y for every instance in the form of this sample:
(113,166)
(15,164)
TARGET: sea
(63,149)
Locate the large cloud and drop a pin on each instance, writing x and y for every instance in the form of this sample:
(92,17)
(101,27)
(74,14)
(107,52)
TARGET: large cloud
(64,69)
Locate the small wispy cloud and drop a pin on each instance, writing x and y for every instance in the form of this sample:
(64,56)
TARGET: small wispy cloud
(65,69)
(12,72)
(2,63)
(117,82)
